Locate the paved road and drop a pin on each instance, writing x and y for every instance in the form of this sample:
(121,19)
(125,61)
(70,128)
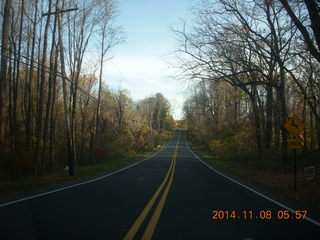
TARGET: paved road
(171,195)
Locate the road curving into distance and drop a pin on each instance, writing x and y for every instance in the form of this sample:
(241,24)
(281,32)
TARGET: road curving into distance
(170,195)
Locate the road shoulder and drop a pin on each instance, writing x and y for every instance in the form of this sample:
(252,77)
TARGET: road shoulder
(233,174)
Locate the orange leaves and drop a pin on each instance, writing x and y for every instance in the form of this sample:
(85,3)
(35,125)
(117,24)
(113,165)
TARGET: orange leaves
(87,80)
(215,144)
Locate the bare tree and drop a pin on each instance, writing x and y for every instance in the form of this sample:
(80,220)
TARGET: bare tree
(308,33)
(110,36)
(43,78)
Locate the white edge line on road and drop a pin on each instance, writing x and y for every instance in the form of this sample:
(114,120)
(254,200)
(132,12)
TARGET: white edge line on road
(252,190)
(82,183)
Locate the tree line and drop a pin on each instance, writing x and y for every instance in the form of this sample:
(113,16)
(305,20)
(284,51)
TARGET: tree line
(55,109)
(252,64)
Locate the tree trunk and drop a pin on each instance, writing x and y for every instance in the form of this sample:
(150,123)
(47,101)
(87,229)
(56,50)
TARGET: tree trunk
(52,111)
(269,116)
(257,124)
(50,90)
(3,71)
(29,84)
(17,83)
(100,82)
(284,118)
(39,164)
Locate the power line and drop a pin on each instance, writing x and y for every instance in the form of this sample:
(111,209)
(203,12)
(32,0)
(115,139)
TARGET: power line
(47,70)
(122,75)
(39,65)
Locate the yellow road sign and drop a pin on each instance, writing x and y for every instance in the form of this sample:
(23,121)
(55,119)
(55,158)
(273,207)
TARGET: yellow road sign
(294,125)
(294,143)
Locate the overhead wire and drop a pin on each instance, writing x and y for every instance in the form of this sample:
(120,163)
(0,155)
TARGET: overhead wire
(59,74)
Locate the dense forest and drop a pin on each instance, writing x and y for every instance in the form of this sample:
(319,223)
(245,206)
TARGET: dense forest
(251,64)
(56,107)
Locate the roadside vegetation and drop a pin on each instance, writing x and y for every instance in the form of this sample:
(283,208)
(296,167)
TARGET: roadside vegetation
(58,117)
(251,65)
(31,183)
(274,178)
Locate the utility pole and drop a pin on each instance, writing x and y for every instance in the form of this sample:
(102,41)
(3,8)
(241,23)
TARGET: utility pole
(70,139)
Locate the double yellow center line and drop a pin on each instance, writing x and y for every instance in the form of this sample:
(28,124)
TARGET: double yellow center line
(167,182)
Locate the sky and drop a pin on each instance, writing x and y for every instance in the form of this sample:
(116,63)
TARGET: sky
(140,64)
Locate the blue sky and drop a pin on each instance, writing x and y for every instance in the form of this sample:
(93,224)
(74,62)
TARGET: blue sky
(139,64)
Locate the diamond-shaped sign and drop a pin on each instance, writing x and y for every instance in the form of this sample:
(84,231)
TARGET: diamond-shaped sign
(294,125)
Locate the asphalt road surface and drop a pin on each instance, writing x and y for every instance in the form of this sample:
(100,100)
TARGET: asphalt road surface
(171,195)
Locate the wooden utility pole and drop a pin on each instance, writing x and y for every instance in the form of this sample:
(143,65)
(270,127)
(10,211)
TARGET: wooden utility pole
(70,139)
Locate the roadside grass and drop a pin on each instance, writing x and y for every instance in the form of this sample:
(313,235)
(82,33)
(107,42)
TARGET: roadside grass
(11,187)
(271,175)
(228,165)
(111,164)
